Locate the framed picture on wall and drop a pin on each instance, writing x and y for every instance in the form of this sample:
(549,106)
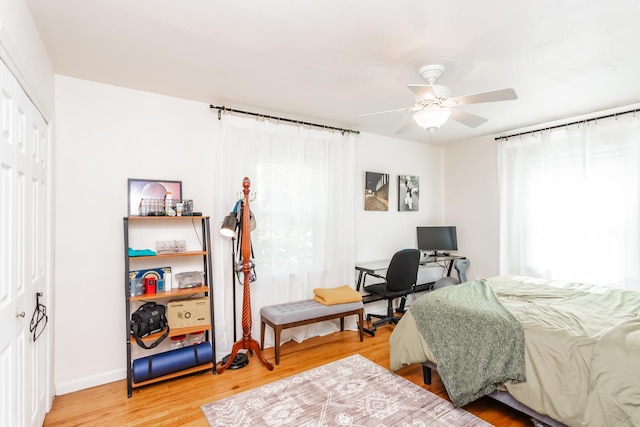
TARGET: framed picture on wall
(376,191)
(146,196)
(408,192)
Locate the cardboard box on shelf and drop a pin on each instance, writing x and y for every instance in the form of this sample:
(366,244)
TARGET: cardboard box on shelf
(188,312)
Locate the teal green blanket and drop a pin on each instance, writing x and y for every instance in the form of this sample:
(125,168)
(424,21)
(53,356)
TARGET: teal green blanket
(477,342)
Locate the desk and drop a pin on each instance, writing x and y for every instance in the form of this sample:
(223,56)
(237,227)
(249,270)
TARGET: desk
(372,267)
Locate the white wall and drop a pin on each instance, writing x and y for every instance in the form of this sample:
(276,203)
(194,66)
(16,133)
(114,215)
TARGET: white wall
(378,233)
(107,134)
(472,203)
(24,53)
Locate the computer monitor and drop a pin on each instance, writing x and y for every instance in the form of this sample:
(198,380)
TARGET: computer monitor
(437,239)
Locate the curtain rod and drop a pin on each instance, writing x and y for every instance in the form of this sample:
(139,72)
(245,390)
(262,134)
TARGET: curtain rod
(282,119)
(567,124)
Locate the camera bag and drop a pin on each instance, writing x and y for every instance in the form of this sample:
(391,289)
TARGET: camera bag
(148,319)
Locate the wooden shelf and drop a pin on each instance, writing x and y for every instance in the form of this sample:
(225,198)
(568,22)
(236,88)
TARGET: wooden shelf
(171,294)
(177,254)
(175,332)
(198,368)
(163,218)
(149,223)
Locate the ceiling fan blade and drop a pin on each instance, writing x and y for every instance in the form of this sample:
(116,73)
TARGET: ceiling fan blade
(391,111)
(407,127)
(467,118)
(422,91)
(491,96)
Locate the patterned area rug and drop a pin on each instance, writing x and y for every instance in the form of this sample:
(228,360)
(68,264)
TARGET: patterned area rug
(350,392)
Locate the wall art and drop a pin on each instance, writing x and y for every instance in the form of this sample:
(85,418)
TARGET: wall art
(376,191)
(408,193)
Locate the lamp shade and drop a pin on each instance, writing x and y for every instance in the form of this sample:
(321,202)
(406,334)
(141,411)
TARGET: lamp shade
(229,225)
(432,118)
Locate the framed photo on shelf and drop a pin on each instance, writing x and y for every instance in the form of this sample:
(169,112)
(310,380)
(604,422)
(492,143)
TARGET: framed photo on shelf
(408,193)
(376,191)
(150,189)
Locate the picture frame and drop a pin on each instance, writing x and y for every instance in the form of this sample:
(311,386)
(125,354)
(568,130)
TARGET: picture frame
(157,189)
(408,193)
(376,191)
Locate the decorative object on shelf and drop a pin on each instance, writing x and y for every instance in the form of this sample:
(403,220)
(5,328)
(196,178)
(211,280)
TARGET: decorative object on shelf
(166,277)
(150,284)
(171,246)
(179,341)
(196,338)
(408,193)
(137,279)
(190,279)
(154,193)
(376,191)
(246,342)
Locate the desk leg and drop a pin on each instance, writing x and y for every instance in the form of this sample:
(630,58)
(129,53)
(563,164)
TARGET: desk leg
(449,267)
(359,282)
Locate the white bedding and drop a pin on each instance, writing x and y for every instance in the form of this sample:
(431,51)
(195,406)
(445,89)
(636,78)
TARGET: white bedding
(582,347)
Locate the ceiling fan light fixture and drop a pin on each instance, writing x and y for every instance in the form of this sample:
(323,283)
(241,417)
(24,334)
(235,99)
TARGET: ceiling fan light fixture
(432,118)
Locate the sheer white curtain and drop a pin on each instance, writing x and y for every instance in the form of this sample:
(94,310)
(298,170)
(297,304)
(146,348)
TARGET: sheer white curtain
(303,181)
(569,202)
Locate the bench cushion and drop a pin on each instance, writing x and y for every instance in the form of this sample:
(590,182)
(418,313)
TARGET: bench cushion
(297,311)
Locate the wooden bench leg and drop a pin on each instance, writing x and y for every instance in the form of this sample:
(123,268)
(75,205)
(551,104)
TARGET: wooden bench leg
(277,331)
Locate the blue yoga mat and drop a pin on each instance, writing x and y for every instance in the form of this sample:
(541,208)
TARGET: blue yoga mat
(172,361)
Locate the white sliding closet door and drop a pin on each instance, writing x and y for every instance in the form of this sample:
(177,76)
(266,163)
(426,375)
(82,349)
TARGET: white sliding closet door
(25,364)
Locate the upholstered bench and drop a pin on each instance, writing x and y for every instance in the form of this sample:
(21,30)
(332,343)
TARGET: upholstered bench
(298,313)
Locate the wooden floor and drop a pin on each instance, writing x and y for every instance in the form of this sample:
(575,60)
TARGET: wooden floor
(177,402)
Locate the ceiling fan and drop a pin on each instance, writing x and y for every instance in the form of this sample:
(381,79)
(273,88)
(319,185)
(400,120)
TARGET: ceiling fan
(434,104)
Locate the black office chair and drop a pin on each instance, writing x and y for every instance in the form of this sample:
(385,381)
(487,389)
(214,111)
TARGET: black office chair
(399,282)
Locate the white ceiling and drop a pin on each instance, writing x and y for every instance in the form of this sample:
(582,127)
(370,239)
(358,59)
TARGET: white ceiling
(330,61)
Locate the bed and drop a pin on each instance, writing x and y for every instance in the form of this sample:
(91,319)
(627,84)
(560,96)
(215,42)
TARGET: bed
(581,345)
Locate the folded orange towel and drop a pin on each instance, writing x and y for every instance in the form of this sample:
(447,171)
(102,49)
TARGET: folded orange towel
(339,295)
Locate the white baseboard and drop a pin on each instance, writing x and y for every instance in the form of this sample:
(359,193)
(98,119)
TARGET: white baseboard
(88,382)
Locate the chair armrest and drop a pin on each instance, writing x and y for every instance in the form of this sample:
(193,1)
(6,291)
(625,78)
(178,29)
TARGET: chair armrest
(374,275)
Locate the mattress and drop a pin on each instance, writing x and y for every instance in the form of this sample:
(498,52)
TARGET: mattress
(582,349)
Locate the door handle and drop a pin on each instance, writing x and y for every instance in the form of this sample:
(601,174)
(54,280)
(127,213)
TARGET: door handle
(20,314)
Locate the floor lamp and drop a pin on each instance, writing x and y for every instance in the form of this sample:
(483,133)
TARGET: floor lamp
(246,342)
(228,229)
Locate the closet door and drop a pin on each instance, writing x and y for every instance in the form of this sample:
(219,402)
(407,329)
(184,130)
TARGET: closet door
(25,364)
